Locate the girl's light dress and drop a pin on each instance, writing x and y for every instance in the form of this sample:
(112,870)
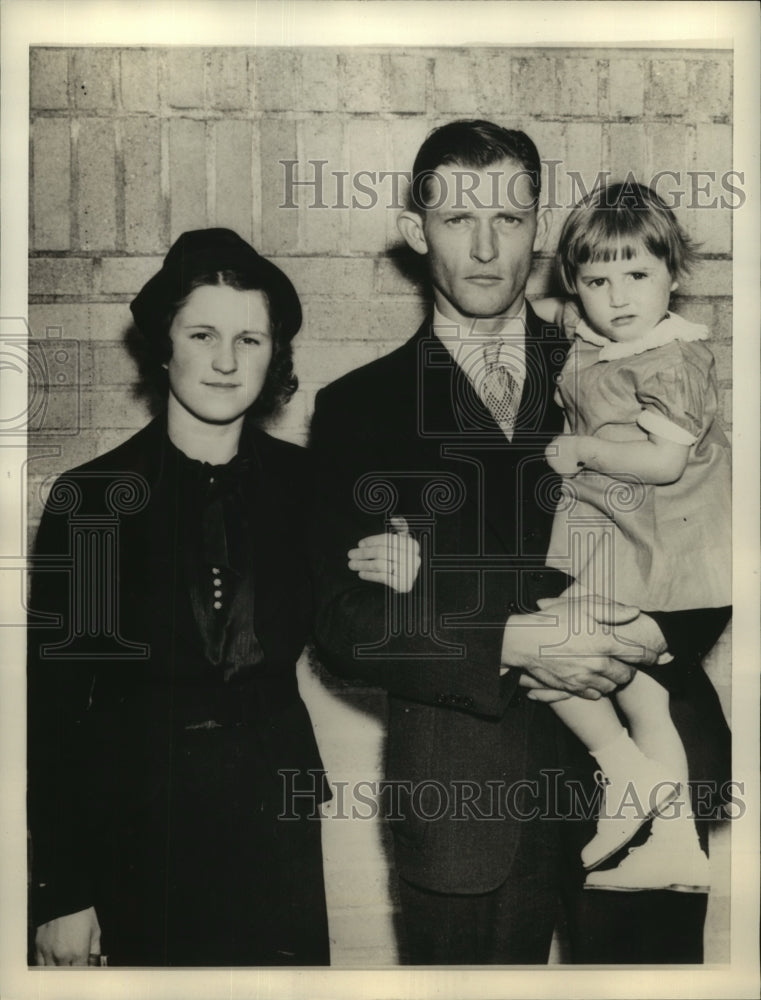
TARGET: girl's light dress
(664,547)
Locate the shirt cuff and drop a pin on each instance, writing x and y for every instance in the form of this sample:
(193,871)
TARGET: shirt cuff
(656,423)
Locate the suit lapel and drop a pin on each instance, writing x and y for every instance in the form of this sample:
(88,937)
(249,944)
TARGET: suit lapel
(452,416)
(546,349)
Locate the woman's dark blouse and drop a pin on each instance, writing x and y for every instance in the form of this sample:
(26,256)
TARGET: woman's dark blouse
(106,716)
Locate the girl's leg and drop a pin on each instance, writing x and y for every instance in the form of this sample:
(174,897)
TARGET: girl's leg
(595,723)
(646,707)
(634,788)
(672,857)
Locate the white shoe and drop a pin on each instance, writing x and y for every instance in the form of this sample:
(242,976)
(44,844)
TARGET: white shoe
(625,807)
(663,862)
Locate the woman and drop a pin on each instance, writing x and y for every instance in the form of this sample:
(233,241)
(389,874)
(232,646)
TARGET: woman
(174,776)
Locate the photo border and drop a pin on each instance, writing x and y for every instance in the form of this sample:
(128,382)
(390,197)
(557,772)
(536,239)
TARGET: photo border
(426,23)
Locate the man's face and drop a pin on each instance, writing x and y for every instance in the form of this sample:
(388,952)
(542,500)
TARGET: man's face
(479,246)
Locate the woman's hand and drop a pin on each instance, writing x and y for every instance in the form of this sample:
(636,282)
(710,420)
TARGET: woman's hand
(390,559)
(68,940)
(562,454)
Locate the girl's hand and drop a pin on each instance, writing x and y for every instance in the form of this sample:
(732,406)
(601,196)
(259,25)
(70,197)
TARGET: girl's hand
(562,454)
(390,559)
(68,940)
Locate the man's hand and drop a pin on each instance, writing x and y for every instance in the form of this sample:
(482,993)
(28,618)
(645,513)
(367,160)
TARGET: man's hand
(68,940)
(537,692)
(584,645)
(392,559)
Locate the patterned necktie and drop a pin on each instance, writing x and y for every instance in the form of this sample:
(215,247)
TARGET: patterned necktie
(499,389)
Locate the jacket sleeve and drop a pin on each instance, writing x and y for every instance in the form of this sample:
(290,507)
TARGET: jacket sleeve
(690,635)
(57,697)
(365,631)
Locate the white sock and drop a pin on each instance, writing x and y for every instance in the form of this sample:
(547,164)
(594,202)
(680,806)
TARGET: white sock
(617,757)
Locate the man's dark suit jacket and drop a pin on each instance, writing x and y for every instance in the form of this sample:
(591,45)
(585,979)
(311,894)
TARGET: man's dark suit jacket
(407,435)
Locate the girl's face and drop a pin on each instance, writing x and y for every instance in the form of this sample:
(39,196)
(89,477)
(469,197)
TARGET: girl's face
(624,299)
(221,351)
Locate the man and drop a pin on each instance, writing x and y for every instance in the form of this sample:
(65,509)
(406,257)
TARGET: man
(449,432)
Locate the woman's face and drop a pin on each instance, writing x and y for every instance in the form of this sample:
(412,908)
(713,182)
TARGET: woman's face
(221,351)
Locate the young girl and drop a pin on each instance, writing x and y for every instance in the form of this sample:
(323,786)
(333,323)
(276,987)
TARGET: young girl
(647,517)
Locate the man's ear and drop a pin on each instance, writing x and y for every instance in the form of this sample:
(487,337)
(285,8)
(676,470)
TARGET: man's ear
(543,223)
(410,225)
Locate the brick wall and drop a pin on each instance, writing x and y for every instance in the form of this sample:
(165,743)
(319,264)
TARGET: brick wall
(130,147)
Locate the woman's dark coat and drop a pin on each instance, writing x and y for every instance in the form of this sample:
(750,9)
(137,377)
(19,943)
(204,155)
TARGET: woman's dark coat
(122,698)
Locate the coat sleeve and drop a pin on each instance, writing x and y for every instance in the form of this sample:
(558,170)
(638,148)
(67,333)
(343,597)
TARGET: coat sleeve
(691,634)
(57,698)
(365,631)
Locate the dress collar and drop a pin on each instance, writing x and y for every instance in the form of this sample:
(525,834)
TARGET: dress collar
(157,455)
(670,328)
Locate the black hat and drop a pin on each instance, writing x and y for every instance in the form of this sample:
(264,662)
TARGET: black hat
(207,250)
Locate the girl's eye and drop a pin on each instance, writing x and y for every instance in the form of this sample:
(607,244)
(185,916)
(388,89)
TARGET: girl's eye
(596,283)
(638,275)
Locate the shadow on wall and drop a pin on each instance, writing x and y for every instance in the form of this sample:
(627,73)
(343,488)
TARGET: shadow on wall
(151,387)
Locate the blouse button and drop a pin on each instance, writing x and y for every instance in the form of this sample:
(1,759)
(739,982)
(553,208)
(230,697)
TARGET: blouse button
(217,582)
(214,570)
(217,605)
(217,593)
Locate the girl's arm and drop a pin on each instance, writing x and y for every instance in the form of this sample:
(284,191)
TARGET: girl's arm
(656,461)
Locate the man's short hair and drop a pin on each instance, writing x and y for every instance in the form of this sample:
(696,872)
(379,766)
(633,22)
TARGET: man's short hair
(475,144)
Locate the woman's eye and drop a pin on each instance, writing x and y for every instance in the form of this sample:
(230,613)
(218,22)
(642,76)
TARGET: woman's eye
(199,335)
(249,340)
